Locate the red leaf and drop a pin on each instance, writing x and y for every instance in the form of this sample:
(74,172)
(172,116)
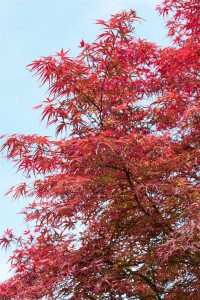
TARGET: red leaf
(82,43)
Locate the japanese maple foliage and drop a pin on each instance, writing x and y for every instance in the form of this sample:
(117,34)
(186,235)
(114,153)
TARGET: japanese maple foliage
(116,203)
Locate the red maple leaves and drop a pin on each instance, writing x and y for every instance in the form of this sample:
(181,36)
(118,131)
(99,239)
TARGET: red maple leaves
(115,204)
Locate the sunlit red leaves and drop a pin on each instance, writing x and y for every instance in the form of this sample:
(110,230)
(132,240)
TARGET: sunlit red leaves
(7,238)
(184,19)
(115,203)
(62,54)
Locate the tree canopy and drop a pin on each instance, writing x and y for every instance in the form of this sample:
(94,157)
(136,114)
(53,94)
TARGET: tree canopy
(115,204)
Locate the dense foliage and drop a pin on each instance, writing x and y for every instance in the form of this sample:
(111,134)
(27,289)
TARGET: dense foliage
(115,204)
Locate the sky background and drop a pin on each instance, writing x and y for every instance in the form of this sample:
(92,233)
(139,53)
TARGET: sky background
(30,29)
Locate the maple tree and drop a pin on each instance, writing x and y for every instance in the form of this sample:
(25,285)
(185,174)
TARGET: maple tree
(115,204)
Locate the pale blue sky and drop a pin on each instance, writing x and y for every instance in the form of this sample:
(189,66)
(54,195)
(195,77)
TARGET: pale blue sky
(33,28)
